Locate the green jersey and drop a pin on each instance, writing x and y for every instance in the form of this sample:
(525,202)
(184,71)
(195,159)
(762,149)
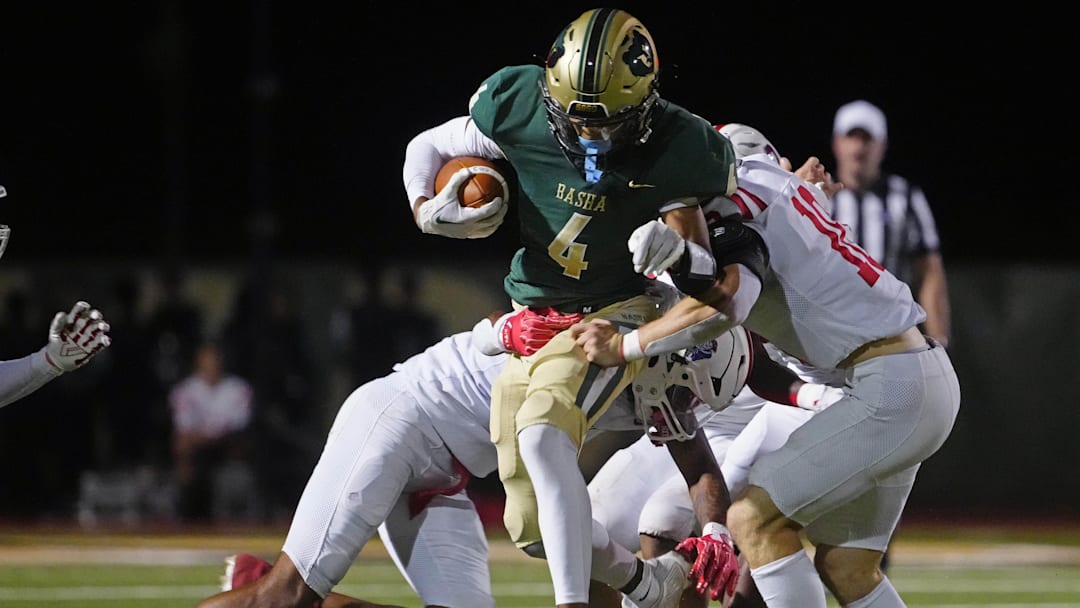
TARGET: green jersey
(574,255)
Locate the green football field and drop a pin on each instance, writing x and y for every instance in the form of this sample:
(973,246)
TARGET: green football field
(1003,567)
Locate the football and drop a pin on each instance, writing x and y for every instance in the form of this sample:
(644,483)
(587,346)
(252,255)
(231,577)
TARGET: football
(486,183)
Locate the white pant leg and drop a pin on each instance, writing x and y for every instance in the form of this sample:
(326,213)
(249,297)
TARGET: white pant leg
(442,552)
(899,411)
(621,487)
(380,446)
(767,431)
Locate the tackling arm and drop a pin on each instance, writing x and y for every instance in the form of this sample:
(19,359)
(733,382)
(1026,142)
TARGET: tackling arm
(20,377)
(775,382)
(715,569)
(693,320)
(74,338)
(726,302)
(770,380)
(699,468)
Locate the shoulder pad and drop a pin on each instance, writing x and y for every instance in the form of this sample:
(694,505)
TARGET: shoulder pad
(733,242)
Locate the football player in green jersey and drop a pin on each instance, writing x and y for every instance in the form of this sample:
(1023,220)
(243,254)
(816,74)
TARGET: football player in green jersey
(596,152)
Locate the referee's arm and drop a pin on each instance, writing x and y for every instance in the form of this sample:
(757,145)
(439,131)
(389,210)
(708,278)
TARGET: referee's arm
(929,270)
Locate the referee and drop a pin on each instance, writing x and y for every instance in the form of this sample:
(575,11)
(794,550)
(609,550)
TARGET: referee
(888,215)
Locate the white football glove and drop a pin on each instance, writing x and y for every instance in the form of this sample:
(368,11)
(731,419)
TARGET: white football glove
(655,246)
(816,397)
(444,215)
(75,337)
(487,335)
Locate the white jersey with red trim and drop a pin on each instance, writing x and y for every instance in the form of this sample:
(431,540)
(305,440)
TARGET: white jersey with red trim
(822,296)
(451,381)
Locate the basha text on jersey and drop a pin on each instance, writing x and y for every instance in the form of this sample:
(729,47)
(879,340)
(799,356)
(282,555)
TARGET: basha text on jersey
(584,200)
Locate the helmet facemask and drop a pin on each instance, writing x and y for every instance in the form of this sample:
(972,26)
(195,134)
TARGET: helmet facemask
(600,88)
(664,399)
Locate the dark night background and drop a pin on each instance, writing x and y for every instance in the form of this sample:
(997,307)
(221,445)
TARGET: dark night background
(205,134)
(164,129)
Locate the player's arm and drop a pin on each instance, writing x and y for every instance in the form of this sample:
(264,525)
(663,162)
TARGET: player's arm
(521,332)
(441,212)
(20,377)
(74,338)
(715,568)
(681,235)
(706,312)
(699,468)
(774,382)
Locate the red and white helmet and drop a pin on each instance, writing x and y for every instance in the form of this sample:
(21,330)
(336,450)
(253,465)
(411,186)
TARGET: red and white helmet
(747,140)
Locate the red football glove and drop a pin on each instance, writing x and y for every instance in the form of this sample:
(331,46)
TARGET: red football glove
(528,330)
(716,567)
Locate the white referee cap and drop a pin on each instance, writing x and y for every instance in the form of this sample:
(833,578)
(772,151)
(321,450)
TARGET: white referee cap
(863,115)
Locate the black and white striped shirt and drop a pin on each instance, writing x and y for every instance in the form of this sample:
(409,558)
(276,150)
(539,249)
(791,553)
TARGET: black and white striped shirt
(891,220)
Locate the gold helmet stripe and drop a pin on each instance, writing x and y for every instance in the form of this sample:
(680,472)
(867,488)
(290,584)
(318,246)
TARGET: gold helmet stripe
(592,63)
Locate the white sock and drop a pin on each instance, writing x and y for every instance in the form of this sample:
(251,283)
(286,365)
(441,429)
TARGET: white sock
(612,564)
(790,582)
(563,509)
(883,596)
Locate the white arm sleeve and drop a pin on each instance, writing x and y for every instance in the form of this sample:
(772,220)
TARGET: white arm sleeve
(20,377)
(429,150)
(736,311)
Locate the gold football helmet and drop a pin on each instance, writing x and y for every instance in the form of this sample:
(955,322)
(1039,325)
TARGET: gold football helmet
(600,83)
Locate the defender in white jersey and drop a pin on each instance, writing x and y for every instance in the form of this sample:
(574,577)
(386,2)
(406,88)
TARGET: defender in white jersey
(638,495)
(788,273)
(74,338)
(396,460)
(641,498)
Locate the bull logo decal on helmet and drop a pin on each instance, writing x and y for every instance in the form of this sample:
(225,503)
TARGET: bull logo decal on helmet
(639,55)
(557,51)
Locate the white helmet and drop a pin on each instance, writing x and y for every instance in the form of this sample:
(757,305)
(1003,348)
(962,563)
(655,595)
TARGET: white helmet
(5,232)
(718,368)
(714,372)
(747,140)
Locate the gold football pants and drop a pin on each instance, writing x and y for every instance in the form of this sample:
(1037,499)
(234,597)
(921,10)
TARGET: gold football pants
(556,385)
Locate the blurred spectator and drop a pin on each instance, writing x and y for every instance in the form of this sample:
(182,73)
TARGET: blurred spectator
(211,416)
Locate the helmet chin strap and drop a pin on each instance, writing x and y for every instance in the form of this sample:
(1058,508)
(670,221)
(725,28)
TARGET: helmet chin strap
(593,149)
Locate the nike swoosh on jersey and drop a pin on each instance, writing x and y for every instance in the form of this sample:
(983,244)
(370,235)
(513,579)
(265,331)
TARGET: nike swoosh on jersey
(634,184)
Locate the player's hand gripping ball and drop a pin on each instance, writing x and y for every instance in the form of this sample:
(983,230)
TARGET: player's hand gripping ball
(484,185)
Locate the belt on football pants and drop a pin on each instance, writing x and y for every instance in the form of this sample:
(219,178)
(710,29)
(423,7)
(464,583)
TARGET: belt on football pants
(908,340)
